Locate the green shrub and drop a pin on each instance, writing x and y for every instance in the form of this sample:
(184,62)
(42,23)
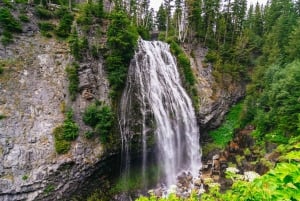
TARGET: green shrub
(46,26)
(88,134)
(24,177)
(6,38)
(8,22)
(224,133)
(65,133)
(65,24)
(24,18)
(49,188)
(61,145)
(212,56)
(2,116)
(43,13)
(72,73)
(100,117)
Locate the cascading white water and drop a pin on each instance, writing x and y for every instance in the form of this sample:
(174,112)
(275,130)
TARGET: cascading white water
(154,81)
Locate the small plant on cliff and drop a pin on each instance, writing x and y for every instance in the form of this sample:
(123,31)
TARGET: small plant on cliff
(45,28)
(49,188)
(64,27)
(100,117)
(10,25)
(8,22)
(72,73)
(65,133)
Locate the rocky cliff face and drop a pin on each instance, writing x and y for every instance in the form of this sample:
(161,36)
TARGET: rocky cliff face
(33,92)
(215,98)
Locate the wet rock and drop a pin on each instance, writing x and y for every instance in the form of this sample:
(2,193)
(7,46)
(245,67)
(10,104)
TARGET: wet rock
(198,182)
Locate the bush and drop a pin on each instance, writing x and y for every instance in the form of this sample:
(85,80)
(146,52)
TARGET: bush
(8,22)
(7,38)
(65,133)
(88,134)
(65,24)
(62,146)
(100,117)
(24,18)
(72,73)
(43,13)
(225,132)
(46,26)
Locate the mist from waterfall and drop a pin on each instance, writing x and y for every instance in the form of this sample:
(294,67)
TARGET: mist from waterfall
(154,82)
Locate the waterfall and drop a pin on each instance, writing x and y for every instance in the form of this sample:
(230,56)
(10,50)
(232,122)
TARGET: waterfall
(154,101)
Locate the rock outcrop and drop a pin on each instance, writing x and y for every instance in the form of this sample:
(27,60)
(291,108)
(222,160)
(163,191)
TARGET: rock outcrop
(33,93)
(215,99)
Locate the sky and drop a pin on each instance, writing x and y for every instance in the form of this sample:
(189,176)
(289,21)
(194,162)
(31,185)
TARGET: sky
(156,3)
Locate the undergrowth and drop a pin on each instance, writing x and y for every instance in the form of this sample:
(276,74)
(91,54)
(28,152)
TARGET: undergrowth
(222,135)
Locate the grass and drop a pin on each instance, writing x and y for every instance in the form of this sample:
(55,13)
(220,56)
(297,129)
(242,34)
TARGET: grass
(225,132)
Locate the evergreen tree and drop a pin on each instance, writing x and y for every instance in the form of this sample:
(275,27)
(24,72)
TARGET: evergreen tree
(161,18)
(211,12)
(293,47)
(194,8)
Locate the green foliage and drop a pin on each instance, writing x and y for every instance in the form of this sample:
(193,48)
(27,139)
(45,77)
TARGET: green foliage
(64,28)
(7,38)
(8,22)
(224,133)
(65,133)
(10,25)
(49,188)
(281,183)
(100,117)
(188,76)
(88,134)
(72,73)
(70,128)
(78,46)
(275,109)
(144,32)
(24,18)
(122,39)
(46,27)
(90,12)
(43,13)
(25,177)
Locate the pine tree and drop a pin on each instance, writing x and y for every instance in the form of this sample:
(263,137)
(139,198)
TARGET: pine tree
(161,18)
(195,20)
